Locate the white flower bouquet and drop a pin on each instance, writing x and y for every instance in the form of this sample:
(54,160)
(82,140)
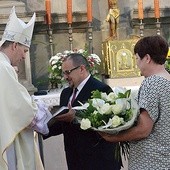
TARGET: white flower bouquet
(110,113)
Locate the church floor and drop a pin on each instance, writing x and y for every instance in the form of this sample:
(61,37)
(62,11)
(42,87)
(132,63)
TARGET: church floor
(54,157)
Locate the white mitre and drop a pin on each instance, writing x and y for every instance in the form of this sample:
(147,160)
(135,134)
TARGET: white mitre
(18,31)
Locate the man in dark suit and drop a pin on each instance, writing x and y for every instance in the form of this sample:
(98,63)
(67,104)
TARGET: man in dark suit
(85,150)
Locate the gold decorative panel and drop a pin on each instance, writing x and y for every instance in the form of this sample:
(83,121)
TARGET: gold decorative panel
(118,58)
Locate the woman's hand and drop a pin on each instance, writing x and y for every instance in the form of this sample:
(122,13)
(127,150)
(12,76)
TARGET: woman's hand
(108,137)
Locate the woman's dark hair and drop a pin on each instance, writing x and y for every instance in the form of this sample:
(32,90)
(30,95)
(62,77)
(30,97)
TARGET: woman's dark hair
(78,59)
(156,46)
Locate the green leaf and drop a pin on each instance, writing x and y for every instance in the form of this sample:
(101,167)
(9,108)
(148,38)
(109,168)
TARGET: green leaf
(128,115)
(96,94)
(127,93)
(124,95)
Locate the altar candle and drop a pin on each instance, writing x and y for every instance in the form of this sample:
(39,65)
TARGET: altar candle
(48,11)
(69,12)
(140,9)
(157,10)
(89,10)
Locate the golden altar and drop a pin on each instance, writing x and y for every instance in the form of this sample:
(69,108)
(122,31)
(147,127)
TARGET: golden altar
(118,58)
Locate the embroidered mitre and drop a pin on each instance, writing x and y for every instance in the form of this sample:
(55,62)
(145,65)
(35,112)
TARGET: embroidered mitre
(17,30)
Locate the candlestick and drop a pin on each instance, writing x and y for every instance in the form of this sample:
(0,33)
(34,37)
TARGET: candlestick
(70,33)
(89,10)
(69,11)
(140,9)
(141,27)
(90,34)
(50,34)
(48,11)
(157,10)
(158,26)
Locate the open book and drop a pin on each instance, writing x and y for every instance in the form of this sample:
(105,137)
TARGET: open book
(60,111)
(65,109)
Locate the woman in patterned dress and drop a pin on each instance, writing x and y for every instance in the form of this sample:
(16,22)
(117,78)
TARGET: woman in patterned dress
(150,137)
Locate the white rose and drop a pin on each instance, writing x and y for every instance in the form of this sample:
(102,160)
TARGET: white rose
(97,103)
(85,124)
(116,109)
(105,109)
(104,96)
(111,97)
(116,121)
(124,102)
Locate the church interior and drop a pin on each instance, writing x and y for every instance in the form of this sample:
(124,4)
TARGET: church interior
(107,28)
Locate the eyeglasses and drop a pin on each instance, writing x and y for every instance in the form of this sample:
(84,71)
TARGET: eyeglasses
(67,72)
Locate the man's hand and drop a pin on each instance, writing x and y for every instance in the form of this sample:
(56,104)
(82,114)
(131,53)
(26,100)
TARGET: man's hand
(67,117)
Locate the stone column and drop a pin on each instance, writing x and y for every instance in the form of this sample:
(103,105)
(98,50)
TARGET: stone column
(25,77)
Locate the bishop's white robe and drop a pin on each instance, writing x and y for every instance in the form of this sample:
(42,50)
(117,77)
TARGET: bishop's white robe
(17,110)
